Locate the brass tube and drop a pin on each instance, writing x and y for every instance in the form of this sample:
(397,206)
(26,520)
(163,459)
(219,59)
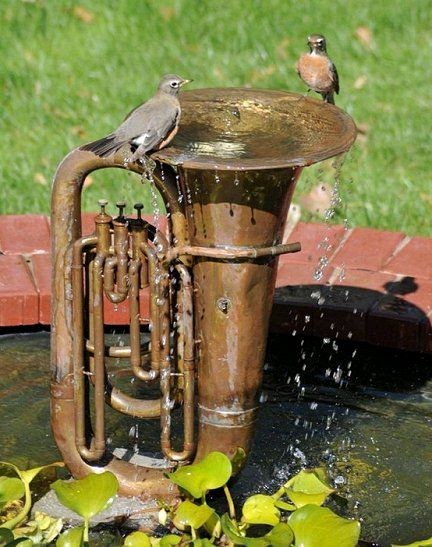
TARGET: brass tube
(154,298)
(78,339)
(66,229)
(134,326)
(187,357)
(231,252)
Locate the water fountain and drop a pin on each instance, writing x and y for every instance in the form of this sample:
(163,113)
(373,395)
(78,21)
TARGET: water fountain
(226,181)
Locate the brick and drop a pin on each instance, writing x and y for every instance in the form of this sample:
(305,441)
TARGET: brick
(291,273)
(24,234)
(19,302)
(317,240)
(367,249)
(41,267)
(413,259)
(363,279)
(119,314)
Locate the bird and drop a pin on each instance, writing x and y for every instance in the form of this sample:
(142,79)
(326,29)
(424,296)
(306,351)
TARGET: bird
(317,70)
(148,127)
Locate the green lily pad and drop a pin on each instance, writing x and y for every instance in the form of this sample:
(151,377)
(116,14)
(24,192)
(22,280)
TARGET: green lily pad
(308,487)
(422,543)
(11,488)
(71,538)
(87,496)
(192,515)
(137,539)
(213,471)
(315,526)
(261,509)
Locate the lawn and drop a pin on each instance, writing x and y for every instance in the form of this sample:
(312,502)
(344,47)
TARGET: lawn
(70,71)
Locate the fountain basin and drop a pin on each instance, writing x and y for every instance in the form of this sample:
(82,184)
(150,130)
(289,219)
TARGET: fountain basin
(237,129)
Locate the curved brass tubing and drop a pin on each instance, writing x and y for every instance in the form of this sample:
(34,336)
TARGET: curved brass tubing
(66,229)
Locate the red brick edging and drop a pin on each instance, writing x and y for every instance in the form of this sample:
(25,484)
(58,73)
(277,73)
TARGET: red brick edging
(376,286)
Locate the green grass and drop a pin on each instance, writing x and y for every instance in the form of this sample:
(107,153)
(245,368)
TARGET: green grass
(70,70)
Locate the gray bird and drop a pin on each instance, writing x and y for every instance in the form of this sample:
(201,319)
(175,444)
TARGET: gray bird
(148,127)
(317,70)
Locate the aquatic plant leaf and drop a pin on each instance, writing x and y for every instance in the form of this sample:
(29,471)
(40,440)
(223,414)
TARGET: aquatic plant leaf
(137,539)
(11,488)
(260,509)
(169,540)
(43,529)
(213,525)
(192,515)
(6,536)
(307,487)
(71,538)
(422,543)
(26,477)
(315,526)
(281,535)
(213,471)
(87,496)
(238,460)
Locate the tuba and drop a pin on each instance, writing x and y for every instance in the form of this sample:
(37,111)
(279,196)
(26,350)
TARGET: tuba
(226,182)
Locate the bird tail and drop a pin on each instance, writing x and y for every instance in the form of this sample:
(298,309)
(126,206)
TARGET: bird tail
(103,147)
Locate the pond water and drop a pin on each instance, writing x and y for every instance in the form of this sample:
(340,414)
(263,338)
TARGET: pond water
(365,414)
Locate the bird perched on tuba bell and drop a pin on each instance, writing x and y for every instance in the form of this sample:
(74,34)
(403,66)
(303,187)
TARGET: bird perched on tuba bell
(148,127)
(317,70)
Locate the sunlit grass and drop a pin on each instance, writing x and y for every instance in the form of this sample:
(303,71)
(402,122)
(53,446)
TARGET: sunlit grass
(70,70)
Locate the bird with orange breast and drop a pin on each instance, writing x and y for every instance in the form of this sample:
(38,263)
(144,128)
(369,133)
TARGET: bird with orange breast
(317,70)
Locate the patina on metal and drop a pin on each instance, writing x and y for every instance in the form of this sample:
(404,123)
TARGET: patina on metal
(227,182)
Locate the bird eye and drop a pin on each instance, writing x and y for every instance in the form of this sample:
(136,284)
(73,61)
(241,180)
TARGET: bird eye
(174,84)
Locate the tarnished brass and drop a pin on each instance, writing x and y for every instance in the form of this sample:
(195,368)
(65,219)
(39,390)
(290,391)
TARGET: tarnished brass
(227,182)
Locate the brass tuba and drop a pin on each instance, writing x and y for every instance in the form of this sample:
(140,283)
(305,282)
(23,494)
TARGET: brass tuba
(227,183)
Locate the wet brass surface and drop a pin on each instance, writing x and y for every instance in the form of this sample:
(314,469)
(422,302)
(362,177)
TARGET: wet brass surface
(252,129)
(238,155)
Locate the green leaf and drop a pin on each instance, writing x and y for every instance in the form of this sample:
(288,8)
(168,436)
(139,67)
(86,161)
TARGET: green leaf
(42,529)
(307,487)
(421,543)
(6,536)
(192,515)
(87,496)
(315,526)
(213,471)
(137,539)
(238,460)
(11,489)
(281,535)
(213,525)
(71,538)
(169,540)
(260,509)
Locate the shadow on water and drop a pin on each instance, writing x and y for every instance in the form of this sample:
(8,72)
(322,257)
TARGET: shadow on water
(363,413)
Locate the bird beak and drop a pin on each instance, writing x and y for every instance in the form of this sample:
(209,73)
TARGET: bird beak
(185,82)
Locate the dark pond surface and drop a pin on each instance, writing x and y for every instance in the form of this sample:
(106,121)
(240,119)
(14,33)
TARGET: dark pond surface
(366,415)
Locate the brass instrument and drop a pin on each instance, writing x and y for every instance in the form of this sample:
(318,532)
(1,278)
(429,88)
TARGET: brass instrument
(210,281)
